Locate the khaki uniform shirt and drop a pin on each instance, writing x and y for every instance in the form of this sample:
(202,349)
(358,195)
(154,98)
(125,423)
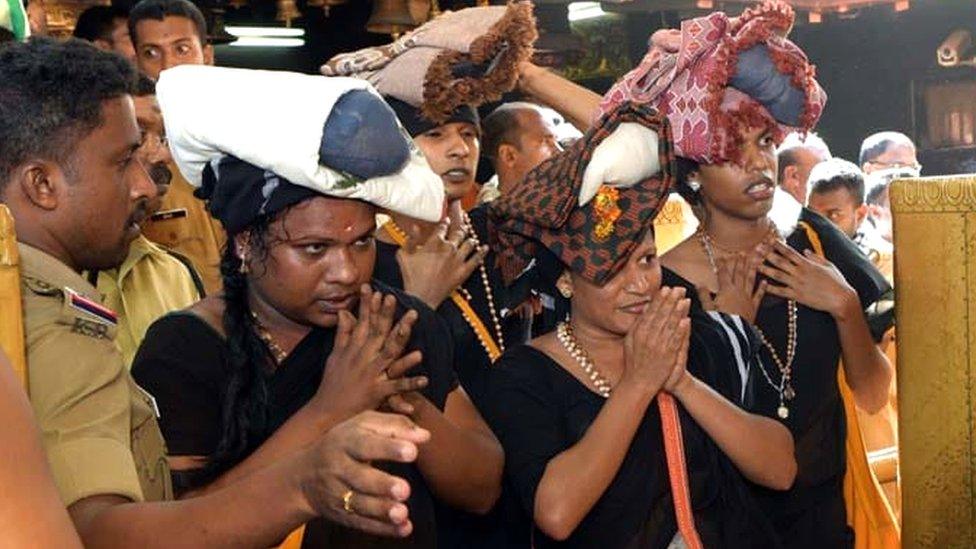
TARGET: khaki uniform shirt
(148,284)
(184,225)
(98,427)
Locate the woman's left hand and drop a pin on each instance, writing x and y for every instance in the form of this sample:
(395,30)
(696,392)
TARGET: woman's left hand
(809,279)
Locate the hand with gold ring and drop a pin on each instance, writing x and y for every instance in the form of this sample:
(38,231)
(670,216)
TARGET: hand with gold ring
(434,268)
(347,502)
(342,485)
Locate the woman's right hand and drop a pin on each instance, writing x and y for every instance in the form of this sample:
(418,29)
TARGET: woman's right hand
(654,343)
(738,293)
(343,487)
(434,268)
(367,363)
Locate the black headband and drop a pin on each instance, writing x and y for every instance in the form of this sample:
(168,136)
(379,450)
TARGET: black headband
(416,124)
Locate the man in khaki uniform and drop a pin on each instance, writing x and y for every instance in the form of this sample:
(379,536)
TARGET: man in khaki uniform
(152,281)
(167,33)
(70,175)
(110,443)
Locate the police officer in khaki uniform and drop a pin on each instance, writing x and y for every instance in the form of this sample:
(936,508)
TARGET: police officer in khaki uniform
(167,33)
(70,175)
(98,427)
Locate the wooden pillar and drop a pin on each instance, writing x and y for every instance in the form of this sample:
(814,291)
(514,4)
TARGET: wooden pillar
(935,285)
(674,223)
(11,307)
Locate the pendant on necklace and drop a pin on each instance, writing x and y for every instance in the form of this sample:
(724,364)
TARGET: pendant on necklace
(783,412)
(789,393)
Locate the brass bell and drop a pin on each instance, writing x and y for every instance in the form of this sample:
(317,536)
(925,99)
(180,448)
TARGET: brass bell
(391,17)
(287,11)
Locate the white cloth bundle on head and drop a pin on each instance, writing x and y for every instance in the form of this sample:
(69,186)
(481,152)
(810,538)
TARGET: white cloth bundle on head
(275,120)
(626,157)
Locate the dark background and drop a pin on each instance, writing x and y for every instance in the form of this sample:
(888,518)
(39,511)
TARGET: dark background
(867,60)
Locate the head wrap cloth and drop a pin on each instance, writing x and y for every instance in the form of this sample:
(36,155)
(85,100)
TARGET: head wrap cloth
(330,136)
(697,88)
(467,57)
(594,239)
(719,75)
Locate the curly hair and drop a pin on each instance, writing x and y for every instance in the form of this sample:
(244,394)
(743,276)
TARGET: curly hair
(51,97)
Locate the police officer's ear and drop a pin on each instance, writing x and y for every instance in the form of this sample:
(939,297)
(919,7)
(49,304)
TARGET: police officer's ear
(42,183)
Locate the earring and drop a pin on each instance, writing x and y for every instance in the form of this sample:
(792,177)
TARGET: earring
(694,185)
(243,268)
(564,285)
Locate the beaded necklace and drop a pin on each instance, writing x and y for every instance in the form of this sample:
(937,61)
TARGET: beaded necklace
(564,333)
(785,386)
(277,353)
(463,301)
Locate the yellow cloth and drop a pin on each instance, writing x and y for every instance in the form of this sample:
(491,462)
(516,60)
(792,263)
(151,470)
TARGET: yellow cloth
(868,512)
(97,427)
(148,284)
(191,232)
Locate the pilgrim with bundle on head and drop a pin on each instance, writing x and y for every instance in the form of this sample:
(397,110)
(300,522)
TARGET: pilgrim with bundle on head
(732,88)
(303,336)
(434,78)
(625,427)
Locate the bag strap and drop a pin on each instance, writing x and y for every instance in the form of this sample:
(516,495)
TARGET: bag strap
(674,449)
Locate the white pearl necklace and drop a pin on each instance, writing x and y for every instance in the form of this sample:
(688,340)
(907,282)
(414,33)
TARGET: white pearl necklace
(495,318)
(564,333)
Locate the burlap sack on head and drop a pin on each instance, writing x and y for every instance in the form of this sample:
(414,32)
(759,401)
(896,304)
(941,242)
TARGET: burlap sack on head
(470,56)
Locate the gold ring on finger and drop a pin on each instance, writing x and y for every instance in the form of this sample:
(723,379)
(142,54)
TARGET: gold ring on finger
(347,502)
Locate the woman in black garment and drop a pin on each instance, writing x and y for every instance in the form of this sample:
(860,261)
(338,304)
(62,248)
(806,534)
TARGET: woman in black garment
(806,310)
(266,367)
(575,410)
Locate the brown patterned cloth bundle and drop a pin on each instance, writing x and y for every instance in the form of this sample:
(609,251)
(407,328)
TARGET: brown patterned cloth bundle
(467,57)
(594,240)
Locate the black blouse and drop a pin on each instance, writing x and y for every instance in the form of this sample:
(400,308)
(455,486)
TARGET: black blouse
(471,359)
(538,410)
(183,363)
(505,526)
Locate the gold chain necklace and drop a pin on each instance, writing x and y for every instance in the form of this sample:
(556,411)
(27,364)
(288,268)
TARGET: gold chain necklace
(785,387)
(463,302)
(277,353)
(564,333)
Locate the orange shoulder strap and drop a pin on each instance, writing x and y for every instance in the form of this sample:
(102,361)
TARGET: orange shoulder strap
(674,449)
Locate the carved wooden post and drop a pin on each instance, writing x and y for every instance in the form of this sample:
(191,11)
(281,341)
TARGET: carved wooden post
(11,307)
(673,223)
(935,285)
